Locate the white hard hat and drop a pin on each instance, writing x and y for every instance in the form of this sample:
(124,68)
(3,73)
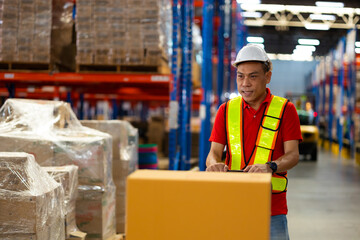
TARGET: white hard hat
(249,53)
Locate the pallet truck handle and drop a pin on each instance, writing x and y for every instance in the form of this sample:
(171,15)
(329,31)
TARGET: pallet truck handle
(235,170)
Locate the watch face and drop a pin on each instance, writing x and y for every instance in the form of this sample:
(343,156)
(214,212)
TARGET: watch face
(273,166)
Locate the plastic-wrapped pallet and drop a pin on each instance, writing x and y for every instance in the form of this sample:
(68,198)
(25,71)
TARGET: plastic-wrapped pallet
(26,30)
(125,158)
(31,201)
(123,32)
(67,176)
(51,131)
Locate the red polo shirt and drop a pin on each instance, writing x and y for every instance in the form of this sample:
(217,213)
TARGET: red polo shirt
(289,130)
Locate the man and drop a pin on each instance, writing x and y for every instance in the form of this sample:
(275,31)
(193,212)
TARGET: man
(261,132)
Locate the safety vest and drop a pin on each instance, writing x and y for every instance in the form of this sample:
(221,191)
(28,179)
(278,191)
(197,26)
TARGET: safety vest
(265,140)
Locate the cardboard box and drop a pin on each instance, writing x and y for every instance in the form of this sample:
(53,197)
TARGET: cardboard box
(181,205)
(67,176)
(90,153)
(31,208)
(95,212)
(124,152)
(156,132)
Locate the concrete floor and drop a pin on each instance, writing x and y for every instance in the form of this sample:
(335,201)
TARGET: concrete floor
(324,199)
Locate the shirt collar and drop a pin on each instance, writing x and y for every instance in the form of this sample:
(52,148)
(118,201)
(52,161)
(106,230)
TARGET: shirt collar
(266,100)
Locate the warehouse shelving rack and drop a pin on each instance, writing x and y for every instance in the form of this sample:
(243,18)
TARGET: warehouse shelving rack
(337,92)
(181,90)
(115,87)
(227,11)
(206,82)
(174,88)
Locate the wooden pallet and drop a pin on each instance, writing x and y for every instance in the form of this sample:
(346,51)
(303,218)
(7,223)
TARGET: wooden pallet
(24,66)
(118,237)
(115,237)
(122,68)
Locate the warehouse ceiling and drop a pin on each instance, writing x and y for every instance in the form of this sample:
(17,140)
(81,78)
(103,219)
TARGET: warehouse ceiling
(281,24)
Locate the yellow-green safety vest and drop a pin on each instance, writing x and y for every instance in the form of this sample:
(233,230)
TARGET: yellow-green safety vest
(265,140)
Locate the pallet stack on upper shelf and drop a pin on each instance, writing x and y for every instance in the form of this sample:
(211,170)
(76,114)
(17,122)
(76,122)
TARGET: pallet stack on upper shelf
(122,35)
(25,33)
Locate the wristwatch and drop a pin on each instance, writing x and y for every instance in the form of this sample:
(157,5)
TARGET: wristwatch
(273,166)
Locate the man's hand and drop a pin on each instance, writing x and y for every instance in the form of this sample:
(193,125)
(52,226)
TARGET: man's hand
(259,168)
(217,167)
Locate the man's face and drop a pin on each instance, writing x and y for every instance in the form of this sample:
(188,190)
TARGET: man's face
(251,82)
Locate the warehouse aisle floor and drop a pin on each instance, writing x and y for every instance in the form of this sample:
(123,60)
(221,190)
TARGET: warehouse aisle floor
(324,199)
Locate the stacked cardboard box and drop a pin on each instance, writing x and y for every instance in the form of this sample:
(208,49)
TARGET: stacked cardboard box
(50,131)
(63,50)
(9,17)
(26,30)
(95,212)
(125,158)
(31,201)
(127,32)
(67,176)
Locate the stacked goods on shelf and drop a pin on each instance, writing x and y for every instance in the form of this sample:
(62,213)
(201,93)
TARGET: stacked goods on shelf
(156,133)
(31,201)
(63,50)
(123,32)
(51,131)
(25,31)
(357,103)
(67,176)
(125,158)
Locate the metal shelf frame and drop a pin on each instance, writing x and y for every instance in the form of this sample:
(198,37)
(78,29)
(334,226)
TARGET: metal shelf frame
(342,105)
(206,82)
(181,99)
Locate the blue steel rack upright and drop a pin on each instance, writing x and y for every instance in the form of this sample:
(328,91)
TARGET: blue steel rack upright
(189,83)
(185,85)
(340,83)
(181,90)
(206,82)
(221,52)
(174,104)
(351,90)
(228,43)
(331,98)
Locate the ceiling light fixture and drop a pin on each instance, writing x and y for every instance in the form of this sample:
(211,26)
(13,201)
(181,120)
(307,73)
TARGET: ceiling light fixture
(259,44)
(305,48)
(322,17)
(357,44)
(255,39)
(249,1)
(300,55)
(317,26)
(305,41)
(251,14)
(300,52)
(329,4)
(272,56)
(285,57)
(357,50)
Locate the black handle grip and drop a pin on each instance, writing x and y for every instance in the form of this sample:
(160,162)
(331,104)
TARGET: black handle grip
(235,170)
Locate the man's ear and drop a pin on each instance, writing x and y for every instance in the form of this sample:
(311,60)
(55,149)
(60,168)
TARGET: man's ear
(268,77)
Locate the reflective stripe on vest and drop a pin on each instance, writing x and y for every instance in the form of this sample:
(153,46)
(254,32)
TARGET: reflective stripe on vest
(265,141)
